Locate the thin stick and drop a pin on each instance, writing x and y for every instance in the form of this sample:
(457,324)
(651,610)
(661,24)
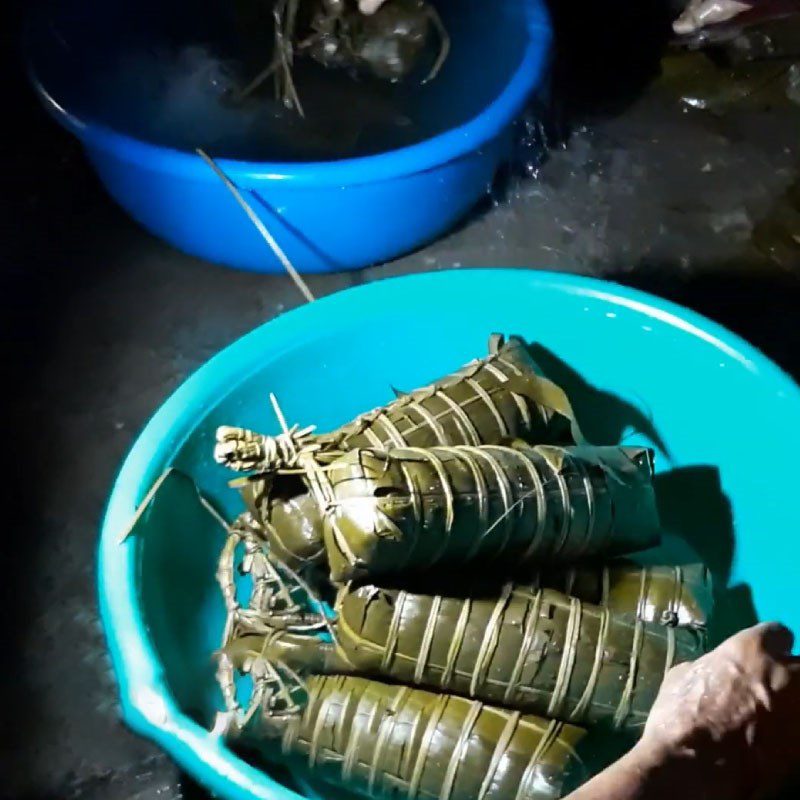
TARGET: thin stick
(444,44)
(209,507)
(144,505)
(278,412)
(286,55)
(257,81)
(260,227)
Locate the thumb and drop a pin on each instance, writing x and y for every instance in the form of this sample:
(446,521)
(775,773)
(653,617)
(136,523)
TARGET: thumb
(770,638)
(776,639)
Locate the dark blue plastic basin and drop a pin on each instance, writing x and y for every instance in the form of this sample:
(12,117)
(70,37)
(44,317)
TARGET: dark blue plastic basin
(329,215)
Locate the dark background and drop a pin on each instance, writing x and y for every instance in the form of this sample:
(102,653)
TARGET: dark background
(101,322)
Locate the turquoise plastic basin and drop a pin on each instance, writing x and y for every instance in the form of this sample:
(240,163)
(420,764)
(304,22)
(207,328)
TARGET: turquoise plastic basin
(639,369)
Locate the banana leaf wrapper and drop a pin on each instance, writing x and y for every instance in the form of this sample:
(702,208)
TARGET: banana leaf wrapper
(539,652)
(291,519)
(383,741)
(669,595)
(489,400)
(411,509)
(499,397)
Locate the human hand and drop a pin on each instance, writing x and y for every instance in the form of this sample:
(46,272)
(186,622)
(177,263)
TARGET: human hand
(701,13)
(730,717)
(369,6)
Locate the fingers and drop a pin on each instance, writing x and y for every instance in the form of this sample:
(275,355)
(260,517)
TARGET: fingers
(701,13)
(369,6)
(768,638)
